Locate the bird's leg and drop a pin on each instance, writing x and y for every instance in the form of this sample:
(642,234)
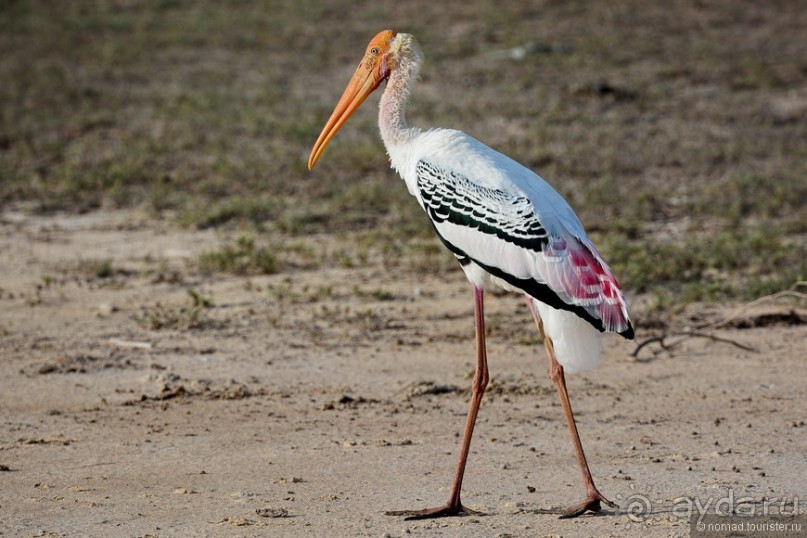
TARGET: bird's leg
(454,506)
(593,496)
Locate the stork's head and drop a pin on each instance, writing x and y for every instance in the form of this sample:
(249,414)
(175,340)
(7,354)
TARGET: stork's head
(373,69)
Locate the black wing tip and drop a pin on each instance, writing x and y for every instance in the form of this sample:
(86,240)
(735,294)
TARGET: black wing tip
(628,333)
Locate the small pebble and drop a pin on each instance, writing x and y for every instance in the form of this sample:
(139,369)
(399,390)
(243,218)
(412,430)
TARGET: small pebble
(272,512)
(106,309)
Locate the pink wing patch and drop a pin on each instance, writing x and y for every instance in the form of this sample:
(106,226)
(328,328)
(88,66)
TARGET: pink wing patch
(580,277)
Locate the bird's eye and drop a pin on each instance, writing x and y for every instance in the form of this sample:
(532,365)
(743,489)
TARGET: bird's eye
(374,50)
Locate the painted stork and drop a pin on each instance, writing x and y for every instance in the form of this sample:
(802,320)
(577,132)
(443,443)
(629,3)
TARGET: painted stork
(506,226)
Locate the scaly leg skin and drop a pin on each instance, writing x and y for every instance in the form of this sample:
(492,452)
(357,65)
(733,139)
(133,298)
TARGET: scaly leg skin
(593,497)
(454,506)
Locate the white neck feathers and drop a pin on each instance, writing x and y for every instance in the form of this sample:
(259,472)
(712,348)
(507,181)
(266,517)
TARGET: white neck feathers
(404,57)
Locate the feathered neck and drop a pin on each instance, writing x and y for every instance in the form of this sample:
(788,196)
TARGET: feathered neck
(405,58)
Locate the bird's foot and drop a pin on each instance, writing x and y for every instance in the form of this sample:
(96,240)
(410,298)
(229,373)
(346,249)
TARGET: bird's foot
(446,510)
(589,504)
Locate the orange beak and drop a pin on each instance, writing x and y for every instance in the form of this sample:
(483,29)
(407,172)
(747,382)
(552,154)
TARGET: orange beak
(368,76)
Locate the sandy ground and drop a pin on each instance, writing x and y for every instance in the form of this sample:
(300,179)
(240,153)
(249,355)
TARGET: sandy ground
(307,403)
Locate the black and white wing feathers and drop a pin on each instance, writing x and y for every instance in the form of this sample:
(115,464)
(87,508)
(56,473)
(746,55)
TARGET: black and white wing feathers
(451,197)
(500,230)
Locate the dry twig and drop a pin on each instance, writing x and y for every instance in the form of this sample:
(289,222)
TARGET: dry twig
(702,332)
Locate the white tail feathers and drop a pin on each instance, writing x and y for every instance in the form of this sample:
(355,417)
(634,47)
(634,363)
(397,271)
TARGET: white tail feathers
(577,343)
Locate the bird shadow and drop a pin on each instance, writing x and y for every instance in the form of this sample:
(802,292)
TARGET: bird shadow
(560,511)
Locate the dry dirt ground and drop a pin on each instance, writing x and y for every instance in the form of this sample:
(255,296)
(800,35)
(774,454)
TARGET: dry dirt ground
(308,403)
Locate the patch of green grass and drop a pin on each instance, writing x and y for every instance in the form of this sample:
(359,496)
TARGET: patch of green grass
(738,198)
(427,257)
(531,340)
(739,264)
(102,268)
(99,268)
(238,210)
(200,300)
(377,294)
(243,257)
(299,220)
(286,293)
(364,321)
(205,111)
(178,317)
